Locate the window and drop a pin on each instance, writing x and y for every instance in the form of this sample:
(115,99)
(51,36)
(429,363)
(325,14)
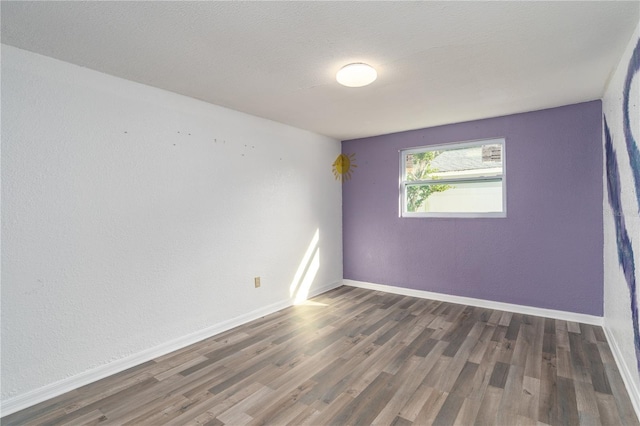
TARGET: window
(464,179)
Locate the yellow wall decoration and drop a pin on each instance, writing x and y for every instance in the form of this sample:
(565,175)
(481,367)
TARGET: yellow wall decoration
(343,167)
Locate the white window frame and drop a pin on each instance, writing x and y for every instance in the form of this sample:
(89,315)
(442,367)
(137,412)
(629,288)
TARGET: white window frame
(449,146)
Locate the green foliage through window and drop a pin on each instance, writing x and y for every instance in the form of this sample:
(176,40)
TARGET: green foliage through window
(421,170)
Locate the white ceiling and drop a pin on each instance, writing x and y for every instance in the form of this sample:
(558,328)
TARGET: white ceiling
(437,62)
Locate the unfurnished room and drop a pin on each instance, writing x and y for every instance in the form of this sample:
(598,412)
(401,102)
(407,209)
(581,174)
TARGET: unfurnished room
(320,213)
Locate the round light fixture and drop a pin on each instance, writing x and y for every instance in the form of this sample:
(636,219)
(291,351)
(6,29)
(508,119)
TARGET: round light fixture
(356,75)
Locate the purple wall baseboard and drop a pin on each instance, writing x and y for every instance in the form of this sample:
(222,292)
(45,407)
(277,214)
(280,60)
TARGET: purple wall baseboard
(546,253)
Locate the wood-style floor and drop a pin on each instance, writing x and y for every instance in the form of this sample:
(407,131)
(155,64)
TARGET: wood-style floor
(355,356)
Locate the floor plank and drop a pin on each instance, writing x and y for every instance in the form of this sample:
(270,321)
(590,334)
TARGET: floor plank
(359,357)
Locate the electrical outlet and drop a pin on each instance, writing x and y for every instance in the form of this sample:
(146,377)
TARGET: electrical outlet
(256,282)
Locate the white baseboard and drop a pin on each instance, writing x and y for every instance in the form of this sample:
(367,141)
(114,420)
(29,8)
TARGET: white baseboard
(489,304)
(52,390)
(625,371)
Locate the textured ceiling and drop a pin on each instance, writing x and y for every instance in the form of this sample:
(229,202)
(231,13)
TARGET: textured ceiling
(437,62)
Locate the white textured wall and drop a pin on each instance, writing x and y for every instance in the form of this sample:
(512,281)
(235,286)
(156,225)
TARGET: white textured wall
(617,301)
(132,216)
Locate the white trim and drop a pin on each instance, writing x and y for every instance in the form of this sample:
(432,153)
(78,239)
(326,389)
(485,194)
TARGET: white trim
(489,304)
(454,145)
(52,390)
(446,215)
(403,183)
(625,372)
(496,178)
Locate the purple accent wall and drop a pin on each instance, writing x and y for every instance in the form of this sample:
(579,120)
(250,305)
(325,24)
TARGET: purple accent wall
(546,253)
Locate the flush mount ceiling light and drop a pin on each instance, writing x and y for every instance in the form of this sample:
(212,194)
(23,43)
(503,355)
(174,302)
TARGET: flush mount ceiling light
(356,75)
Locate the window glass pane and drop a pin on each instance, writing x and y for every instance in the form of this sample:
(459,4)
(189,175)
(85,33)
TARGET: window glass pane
(463,197)
(475,161)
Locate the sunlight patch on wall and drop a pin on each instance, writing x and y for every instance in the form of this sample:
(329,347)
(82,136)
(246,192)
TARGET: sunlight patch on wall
(307,271)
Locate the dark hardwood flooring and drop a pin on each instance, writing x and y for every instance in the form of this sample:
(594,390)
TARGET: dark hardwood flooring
(354,356)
